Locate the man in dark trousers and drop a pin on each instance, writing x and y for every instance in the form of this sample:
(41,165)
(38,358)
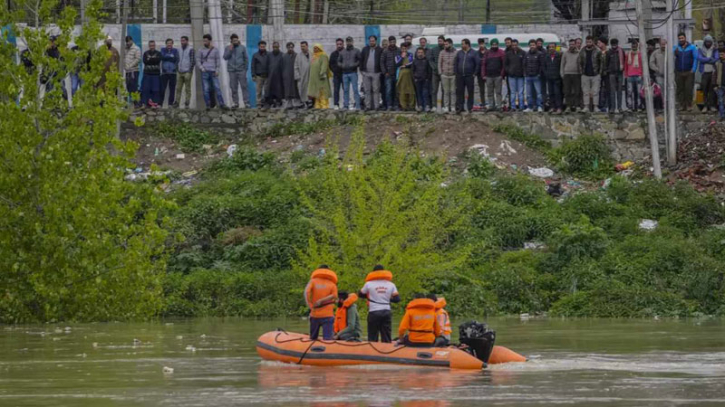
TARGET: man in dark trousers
(480,79)
(380,291)
(370,70)
(336,71)
(275,85)
(466,66)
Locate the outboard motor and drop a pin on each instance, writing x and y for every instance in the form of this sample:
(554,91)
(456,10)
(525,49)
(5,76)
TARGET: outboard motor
(478,338)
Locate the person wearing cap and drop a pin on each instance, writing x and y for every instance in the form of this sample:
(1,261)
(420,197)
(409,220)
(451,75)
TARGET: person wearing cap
(707,55)
(131,61)
(349,61)
(388,69)
(479,78)
(492,71)
(111,61)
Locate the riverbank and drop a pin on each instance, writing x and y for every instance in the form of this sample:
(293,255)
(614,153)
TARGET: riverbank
(491,237)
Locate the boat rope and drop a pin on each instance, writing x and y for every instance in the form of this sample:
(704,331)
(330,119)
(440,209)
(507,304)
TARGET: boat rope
(349,344)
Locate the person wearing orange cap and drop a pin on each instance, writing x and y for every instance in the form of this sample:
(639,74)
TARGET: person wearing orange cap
(419,326)
(380,291)
(347,319)
(321,295)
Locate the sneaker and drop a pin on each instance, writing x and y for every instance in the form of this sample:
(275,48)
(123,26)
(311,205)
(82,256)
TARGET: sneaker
(336,107)
(352,108)
(224,107)
(705,110)
(540,110)
(527,110)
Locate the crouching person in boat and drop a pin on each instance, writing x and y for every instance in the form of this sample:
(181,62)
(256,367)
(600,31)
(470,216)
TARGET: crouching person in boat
(444,321)
(321,295)
(380,292)
(419,326)
(347,319)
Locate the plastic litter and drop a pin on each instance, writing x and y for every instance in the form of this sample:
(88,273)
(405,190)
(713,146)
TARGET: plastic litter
(231,149)
(189,174)
(168,370)
(542,172)
(534,245)
(624,166)
(180,156)
(648,224)
(481,149)
(507,148)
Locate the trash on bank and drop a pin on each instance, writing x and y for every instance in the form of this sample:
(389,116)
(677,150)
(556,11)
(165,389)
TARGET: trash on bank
(542,172)
(648,224)
(231,149)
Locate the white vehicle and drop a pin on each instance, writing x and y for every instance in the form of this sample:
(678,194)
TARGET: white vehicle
(523,39)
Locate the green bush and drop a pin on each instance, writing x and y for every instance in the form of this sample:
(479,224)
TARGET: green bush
(189,138)
(586,156)
(244,159)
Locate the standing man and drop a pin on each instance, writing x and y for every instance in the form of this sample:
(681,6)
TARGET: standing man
(421,79)
(590,65)
(685,67)
(237,61)
(423,43)
(169,69)
(436,76)
(349,62)
(446,67)
(514,66)
(492,71)
(302,72)
(151,86)
(533,66)
(657,63)
(707,55)
(132,58)
(614,68)
(380,292)
(370,69)
(604,101)
(321,296)
(187,62)
(633,74)
(720,83)
(336,71)
(552,74)
(480,79)
(275,85)
(291,93)
(209,63)
(466,66)
(571,72)
(260,71)
(388,69)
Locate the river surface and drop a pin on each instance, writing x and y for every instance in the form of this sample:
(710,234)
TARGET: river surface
(214,362)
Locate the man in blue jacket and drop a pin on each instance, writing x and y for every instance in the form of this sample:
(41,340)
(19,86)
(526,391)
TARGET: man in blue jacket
(169,68)
(466,66)
(685,68)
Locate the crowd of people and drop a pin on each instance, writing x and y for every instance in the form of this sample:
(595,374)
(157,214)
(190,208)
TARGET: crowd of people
(425,323)
(594,74)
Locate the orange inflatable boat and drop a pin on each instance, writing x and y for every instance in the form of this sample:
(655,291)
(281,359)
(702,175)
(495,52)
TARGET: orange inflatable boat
(299,349)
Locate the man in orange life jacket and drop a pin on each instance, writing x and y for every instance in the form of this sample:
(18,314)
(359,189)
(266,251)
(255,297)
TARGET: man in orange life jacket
(444,321)
(321,295)
(380,292)
(347,319)
(420,323)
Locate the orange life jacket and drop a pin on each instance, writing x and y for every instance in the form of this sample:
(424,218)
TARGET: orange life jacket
(444,321)
(341,314)
(420,321)
(323,283)
(379,275)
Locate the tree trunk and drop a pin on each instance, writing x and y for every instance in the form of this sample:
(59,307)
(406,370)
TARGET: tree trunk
(313,7)
(250,11)
(296,18)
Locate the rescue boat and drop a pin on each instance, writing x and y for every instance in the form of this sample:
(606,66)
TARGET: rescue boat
(289,347)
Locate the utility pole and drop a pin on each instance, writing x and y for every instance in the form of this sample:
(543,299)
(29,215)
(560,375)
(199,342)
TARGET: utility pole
(651,123)
(216,26)
(460,11)
(156,11)
(488,11)
(197,33)
(670,108)
(163,12)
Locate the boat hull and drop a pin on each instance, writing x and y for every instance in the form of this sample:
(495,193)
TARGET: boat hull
(299,349)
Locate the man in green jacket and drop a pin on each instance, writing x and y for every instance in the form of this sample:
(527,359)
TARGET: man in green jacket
(347,319)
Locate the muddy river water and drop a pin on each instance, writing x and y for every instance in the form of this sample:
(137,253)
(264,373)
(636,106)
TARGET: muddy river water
(571,362)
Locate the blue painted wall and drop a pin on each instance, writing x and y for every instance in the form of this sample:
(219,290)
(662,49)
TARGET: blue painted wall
(254,35)
(488,29)
(372,30)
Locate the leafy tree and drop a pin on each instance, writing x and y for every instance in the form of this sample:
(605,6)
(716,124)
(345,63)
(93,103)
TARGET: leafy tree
(390,209)
(78,242)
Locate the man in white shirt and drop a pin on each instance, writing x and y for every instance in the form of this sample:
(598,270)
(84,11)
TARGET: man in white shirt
(380,292)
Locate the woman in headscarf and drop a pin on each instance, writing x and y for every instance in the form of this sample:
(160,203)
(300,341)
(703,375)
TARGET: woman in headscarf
(405,87)
(320,75)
